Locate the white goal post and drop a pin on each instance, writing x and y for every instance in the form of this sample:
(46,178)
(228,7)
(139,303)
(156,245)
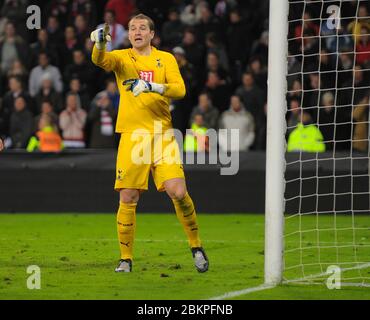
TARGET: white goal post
(275,144)
(317,203)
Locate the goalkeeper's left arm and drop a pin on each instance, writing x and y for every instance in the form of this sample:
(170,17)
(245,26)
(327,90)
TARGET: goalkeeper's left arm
(174,87)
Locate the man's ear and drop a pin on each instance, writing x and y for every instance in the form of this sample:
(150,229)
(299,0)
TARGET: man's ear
(152,35)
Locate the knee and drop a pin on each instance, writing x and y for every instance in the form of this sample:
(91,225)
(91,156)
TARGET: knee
(129,195)
(176,192)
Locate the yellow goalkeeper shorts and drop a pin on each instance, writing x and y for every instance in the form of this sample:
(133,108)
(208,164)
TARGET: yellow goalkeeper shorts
(138,154)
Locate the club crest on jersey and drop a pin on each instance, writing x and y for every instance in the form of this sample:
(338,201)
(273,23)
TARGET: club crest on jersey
(146,75)
(159,63)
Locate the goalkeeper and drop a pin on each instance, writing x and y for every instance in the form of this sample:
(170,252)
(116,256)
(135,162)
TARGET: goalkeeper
(147,79)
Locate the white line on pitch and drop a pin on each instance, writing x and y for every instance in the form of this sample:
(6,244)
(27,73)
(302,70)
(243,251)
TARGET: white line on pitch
(233,294)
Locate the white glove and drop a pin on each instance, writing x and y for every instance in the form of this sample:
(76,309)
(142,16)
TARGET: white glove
(101,36)
(137,86)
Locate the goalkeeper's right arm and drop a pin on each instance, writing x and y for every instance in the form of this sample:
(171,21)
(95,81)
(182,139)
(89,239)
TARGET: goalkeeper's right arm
(101,58)
(101,36)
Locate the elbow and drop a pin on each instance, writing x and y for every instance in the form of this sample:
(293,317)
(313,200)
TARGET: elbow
(180,94)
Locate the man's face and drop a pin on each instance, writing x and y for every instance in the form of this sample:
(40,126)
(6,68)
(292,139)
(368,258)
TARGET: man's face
(188,39)
(75,85)
(46,107)
(42,35)
(212,61)
(71,103)
(14,85)
(69,33)
(247,80)
(43,60)
(109,18)
(235,103)
(203,101)
(295,108)
(19,104)
(139,33)
(358,74)
(46,83)
(78,57)
(9,30)
(198,120)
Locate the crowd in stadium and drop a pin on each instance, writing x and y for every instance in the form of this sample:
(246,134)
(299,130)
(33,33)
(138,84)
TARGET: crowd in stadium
(48,82)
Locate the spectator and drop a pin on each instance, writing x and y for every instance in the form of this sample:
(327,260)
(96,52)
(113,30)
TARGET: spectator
(182,108)
(86,8)
(21,124)
(102,117)
(75,88)
(362,20)
(260,48)
(327,118)
(44,45)
(113,93)
(218,90)
(18,70)
(238,39)
(38,73)
(172,29)
(294,114)
(306,137)
(55,34)
(70,44)
(47,92)
(188,15)
(363,47)
(123,9)
(57,9)
(82,29)
(310,50)
(14,11)
(213,45)
(7,108)
(72,121)
(328,72)
(345,67)
(213,65)
(252,97)
(47,137)
(12,48)
(295,92)
(47,109)
(196,138)
(312,96)
(117,31)
(307,25)
(259,73)
(81,69)
(208,23)
(361,125)
(236,118)
(336,39)
(194,50)
(206,109)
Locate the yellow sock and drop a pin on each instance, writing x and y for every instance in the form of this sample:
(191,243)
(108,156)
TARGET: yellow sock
(185,212)
(126,223)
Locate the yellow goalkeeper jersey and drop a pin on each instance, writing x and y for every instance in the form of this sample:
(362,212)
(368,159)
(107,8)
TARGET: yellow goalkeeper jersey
(142,111)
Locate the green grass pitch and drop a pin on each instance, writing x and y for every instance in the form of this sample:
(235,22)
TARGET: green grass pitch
(77,254)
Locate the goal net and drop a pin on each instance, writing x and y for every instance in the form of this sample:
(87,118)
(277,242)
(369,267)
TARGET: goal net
(327,212)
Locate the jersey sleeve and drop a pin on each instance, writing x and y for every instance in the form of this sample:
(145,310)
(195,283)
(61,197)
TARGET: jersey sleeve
(109,61)
(174,84)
